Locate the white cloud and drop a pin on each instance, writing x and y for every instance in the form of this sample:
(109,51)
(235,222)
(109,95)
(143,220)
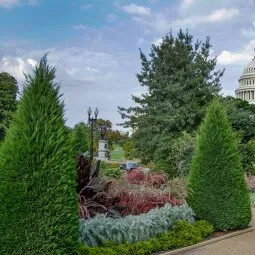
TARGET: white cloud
(11,3)
(186,3)
(159,22)
(136,9)
(15,66)
(86,6)
(80,27)
(8,3)
(32,62)
(157,41)
(216,16)
(240,57)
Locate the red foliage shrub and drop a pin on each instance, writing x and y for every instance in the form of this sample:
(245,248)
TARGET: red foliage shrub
(137,202)
(135,177)
(138,176)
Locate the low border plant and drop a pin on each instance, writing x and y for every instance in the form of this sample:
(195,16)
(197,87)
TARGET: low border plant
(132,228)
(182,234)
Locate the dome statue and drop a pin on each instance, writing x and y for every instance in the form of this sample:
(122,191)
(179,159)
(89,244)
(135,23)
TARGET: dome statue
(246,89)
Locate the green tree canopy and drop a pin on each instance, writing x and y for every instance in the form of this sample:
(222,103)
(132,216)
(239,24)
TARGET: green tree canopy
(218,192)
(242,117)
(81,138)
(8,103)
(38,200)
(181,80)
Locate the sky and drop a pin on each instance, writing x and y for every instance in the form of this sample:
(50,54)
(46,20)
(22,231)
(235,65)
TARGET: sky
(94,44)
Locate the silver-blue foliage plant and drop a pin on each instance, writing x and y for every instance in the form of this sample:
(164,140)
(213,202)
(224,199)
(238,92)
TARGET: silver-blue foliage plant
(132,228)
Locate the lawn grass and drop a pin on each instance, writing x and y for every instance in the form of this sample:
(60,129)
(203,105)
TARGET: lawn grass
(117,153)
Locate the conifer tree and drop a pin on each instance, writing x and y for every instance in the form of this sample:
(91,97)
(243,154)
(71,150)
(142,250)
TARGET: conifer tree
(38,200)
(218,191)
(180,81)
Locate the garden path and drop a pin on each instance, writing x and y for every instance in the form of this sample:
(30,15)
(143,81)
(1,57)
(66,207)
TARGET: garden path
(243,244)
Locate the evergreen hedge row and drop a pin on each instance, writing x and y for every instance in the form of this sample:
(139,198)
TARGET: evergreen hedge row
(218,192)
(38,200)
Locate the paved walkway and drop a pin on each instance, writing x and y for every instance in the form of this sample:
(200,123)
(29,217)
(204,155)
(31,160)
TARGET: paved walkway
(238,245)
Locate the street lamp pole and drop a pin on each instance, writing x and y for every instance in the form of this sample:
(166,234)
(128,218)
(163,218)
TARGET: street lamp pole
(92,121)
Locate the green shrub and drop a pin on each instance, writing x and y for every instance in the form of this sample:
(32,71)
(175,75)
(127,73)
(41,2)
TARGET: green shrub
(204,228)
(38,200)
(132,228)
(112,172)
(218,192)
(110,169)
(182,234)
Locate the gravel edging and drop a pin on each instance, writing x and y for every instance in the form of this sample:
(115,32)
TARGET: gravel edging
(213,240)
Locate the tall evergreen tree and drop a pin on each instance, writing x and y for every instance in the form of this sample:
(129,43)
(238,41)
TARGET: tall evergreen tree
(218,191)
(8,103)
(38,200)
(181,80)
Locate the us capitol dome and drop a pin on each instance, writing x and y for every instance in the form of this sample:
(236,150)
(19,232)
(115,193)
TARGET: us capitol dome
(246,89)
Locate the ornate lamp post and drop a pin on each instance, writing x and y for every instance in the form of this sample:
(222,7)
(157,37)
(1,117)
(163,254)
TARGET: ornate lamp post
(92,121)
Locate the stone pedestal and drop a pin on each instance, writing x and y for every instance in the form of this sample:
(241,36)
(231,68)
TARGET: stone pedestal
(103,151)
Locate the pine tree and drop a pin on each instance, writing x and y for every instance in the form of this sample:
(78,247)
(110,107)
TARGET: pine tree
(38,200)
(218,191)
(181,80)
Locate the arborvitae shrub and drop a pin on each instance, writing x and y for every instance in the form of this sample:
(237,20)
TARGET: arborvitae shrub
(218,192)
(38,201)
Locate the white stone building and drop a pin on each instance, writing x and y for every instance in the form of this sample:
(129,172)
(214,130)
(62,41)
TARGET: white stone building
(246,89)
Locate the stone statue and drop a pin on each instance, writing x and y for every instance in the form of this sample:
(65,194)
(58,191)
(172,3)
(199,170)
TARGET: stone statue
(103,132)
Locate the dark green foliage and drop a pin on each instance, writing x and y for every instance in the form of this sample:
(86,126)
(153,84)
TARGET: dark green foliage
(8,103)
(218,192)
(38,200)
(175,158)
(182,234)
(242,117)
(80,134)
(181,81)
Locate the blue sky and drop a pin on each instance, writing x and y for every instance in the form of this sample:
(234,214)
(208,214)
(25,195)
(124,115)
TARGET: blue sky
(95,44)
